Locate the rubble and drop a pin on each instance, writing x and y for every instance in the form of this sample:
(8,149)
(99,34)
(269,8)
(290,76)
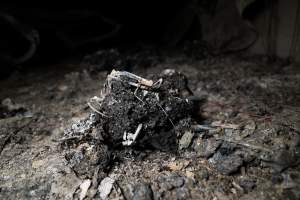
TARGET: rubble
(131,112)
(242,142)
(134,111)
(142,111)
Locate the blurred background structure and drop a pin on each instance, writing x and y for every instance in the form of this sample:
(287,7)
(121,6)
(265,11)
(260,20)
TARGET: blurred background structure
(46,32)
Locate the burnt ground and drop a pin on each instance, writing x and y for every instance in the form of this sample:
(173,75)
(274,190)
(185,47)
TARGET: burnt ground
(248,146)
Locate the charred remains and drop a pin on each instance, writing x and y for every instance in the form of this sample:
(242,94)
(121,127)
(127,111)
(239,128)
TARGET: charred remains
(131,111)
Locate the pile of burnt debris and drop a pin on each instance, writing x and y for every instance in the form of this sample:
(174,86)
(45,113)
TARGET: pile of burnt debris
(136,116)
(131,112)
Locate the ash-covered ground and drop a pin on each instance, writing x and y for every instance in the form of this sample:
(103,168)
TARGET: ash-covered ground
(227,128)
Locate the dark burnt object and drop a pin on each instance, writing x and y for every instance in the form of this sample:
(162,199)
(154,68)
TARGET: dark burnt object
(131,111)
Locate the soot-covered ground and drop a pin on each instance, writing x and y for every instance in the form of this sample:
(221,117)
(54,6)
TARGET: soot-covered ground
(223,127)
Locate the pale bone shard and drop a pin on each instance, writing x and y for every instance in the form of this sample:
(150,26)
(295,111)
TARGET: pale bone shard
(95,104)
(105,187)
(130,138)
(84,187)
(135,80)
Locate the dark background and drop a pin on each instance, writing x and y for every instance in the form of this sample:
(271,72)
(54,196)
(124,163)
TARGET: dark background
(56,31)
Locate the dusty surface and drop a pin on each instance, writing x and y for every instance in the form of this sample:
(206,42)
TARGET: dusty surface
(247,146)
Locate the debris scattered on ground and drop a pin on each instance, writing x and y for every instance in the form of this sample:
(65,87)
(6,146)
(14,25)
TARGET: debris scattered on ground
(245,145)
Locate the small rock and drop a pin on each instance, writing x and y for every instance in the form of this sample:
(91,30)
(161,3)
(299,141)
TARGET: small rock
(171,181)
(202,175)
(283,159)
(175,166)
(186,140)
(249,129)
(206,147)
(190,174)
(226,164)
(247,183)
(142,192)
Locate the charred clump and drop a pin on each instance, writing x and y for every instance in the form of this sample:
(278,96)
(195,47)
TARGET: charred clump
(131,111)
(141,112)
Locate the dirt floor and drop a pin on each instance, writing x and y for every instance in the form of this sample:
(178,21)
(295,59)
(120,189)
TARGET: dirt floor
(246,144)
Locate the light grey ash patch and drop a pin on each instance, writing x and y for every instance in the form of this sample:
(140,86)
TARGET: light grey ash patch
(81,127)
